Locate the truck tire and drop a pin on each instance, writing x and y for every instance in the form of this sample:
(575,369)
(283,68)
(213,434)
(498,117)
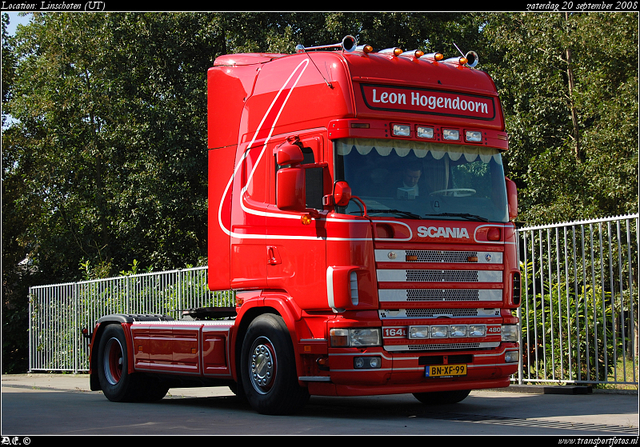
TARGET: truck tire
(268,368)
(442,397)
(150,388)
(115,381)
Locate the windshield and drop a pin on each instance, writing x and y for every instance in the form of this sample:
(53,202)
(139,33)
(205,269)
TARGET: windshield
(423,180)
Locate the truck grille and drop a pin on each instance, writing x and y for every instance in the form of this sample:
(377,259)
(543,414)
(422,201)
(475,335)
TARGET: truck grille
(415,284)
(439,295)
(389,314)
(415,275)
(439,256)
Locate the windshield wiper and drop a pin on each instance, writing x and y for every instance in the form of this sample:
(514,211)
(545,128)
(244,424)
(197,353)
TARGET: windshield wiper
(463,215)
(396,212)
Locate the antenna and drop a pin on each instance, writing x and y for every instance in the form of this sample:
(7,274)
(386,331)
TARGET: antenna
(348,44)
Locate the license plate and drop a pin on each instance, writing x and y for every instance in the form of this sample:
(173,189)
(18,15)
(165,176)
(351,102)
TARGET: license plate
(446,370)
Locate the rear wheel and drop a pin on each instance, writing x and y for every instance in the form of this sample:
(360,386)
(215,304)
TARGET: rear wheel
(268,368)
(115,381)
(442,397)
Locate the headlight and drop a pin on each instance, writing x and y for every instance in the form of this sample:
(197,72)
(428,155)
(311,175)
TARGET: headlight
(354,337)
(477,330)
(457,330)
(510,333)
(439,331)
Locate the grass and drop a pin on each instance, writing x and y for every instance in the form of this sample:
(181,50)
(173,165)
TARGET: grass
(623,372)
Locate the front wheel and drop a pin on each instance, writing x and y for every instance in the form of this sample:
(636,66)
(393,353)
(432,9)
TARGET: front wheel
(268,368)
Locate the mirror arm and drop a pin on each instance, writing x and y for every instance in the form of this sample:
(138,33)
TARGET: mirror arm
(364,207)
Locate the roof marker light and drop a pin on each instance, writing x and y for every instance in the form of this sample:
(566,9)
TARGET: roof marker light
(366,49)
(395,51)
(413,53)
(456,60)
(433,56)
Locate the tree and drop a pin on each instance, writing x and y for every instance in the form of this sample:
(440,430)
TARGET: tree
(568,84)
(111,111)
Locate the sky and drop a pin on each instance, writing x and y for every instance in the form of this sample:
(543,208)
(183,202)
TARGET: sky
(15,20)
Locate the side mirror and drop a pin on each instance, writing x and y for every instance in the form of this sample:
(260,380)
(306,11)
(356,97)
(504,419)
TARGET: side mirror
(512,199)
(289,154)
(341,193)
(291,189)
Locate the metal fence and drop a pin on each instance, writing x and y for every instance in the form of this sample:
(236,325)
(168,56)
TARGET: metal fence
(580,302)
(59,312)
(578,313)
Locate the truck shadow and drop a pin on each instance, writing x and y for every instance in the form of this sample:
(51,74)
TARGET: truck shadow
(505,407)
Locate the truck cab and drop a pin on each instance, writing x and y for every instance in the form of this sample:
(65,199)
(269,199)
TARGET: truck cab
(365,191)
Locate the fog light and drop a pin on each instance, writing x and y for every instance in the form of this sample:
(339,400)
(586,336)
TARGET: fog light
(367,362)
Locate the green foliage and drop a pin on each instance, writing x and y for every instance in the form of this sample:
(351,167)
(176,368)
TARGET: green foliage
(569,88)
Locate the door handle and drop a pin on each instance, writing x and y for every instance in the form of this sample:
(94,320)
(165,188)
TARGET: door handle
(273,257)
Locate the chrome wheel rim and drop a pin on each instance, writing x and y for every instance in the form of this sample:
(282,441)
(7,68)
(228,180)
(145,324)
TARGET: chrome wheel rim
(262,365)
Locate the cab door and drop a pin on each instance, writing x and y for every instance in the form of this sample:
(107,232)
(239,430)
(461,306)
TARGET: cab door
(295,243)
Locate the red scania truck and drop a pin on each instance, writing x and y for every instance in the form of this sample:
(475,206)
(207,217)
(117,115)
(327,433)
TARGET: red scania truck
(358,207)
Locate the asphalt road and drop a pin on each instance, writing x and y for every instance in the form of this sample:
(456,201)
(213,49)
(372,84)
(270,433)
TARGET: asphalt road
(61,404)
